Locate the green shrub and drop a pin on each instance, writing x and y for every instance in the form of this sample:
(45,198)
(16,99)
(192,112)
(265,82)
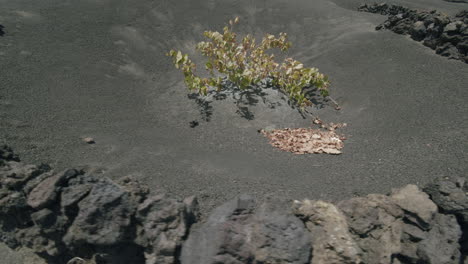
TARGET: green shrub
(246,63)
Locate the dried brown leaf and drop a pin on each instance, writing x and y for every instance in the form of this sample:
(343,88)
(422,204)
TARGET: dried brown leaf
(306,140)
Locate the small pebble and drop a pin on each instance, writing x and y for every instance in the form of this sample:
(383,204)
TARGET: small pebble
(89,140)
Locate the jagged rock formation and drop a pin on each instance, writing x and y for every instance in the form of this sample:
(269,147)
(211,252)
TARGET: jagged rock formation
(457,1)
(448,36)
(76,217)
(329,233)
(242,232)
(75,214)
(404,227)
(451,196)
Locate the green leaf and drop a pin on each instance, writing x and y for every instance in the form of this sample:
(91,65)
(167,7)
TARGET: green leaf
(171,53)
(245,64)
(324,93)
(209,66)
(212,82)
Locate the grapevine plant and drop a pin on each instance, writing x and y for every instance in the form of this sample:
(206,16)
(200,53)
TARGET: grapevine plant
(246,63)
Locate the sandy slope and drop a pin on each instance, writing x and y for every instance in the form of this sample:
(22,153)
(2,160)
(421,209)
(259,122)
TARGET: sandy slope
(71,69)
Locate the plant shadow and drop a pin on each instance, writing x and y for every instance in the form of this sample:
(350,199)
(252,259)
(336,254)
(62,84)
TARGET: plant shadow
(2,32)
(245,99)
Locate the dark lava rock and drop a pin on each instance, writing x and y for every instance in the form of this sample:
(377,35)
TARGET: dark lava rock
(241,232)
(163,225)
(440,244)
(376,226)
(330,235)
(419,209)
(428,236)
(6,154)
(418,31)
(103,217)
(451,196)
(44,218)
(75,217)
(383,9)
(404,226)
(447,35)
(45,192)
(448,50)
(457,1)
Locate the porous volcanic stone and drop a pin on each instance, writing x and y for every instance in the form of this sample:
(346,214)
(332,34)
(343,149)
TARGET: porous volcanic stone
(331,239)
(242,232)
(76,217)
(448,36)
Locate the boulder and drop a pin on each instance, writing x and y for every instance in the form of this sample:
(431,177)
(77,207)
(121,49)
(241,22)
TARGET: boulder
(163,223)
(376,224)
(104,216)
(419,209)
(451,196)
(448,50)
(428,236)
(15,175)
(45,192)
(332,242)
(242,232)
(440,245)
(453,27)
(76,217)
(418,31)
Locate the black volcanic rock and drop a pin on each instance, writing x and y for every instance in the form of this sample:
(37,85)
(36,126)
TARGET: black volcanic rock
(242,232)
(451,196)
(75,217)
(448,36)
(383,9)
(427,234)
(331,237)
(6,154)
(440,243)
(104,216)
(418,31)
(457,1)
(404,227)
(375,223)
(164,224)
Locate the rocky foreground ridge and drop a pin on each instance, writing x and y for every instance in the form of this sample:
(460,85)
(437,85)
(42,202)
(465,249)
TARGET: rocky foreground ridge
(76,217)
(448,36)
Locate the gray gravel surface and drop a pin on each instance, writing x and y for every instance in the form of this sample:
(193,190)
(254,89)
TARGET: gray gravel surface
(97,68)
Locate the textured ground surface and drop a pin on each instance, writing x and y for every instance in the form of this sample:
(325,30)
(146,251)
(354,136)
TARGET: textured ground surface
(74,214)
(96,68)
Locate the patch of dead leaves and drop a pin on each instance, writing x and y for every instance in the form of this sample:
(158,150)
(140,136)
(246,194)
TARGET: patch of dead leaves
(307,140)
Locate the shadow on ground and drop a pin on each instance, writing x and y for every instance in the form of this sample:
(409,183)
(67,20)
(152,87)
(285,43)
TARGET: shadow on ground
(270,97)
